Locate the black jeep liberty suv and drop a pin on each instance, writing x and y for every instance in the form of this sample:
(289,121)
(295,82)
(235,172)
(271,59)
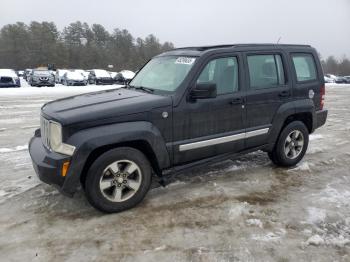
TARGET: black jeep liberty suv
(185,107)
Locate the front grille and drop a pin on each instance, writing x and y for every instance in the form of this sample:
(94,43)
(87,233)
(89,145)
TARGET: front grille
(45,132)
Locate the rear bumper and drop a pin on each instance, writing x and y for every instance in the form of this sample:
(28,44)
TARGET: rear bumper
(47,165)
(77,83)
(321,117)
(104,81)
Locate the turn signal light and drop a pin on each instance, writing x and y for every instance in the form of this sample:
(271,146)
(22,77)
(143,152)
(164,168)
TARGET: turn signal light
(65,167)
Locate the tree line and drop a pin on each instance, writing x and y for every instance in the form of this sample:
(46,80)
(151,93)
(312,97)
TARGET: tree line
(336,67)
(78,45)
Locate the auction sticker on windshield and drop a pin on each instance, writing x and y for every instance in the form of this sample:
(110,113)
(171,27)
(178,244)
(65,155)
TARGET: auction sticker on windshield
(185,60)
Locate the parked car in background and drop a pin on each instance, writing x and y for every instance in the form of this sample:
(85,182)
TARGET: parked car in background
(331,76)
(59,75)
(74,78)
(20,73)
(329,80)
(9,78)
(113,74)
(100,77)
(347,78)
(341,80)
(26,74)
(42,78)
(124,76)
(84,73)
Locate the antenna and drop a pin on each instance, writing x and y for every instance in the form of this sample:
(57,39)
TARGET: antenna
(279,40)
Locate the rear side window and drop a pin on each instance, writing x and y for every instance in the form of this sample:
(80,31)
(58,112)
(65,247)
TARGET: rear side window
(223,72)
(305,67)
(265,71)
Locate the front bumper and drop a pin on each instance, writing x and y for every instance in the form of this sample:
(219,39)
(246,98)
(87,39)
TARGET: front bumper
(43,83)
(321,117)
(47,165)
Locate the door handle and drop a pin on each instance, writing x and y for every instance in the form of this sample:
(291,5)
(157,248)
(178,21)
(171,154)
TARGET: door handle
(284,94)
(236,101)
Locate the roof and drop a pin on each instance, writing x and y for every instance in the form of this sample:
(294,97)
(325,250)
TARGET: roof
(199,50)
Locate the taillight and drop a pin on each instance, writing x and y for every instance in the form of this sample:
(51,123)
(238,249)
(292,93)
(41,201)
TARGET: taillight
(323,94)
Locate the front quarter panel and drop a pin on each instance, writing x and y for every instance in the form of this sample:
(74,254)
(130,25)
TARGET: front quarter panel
(88,140)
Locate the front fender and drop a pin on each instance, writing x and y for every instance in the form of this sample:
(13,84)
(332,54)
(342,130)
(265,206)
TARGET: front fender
(90,139)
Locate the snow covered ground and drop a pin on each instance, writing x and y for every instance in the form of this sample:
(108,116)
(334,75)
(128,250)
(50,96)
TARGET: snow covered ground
(240,210)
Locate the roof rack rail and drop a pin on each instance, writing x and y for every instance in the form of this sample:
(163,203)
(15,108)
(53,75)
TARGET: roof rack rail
(204,48)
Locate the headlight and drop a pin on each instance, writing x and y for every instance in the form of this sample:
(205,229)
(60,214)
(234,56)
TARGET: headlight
(55,140)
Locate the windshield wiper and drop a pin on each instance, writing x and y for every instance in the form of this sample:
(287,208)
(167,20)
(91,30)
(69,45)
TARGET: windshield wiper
(146,89)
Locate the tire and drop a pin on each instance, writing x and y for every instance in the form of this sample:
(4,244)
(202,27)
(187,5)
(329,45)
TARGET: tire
(291,145)
(105,185)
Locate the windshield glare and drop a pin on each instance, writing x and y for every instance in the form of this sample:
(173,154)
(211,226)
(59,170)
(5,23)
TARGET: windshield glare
(164,73)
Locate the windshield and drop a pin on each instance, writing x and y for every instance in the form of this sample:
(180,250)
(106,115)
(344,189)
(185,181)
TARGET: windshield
(164,73)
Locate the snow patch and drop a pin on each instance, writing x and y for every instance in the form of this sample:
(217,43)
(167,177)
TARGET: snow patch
(238,210)
(254,222)
(305,166)
(17,148)
(315,240)
(339,241)
(267,238)
(2,193)
(338,197)
(235,168)
(316,215)
(313,137)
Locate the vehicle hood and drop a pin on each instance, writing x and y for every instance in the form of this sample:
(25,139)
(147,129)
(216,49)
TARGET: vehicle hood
(102,106)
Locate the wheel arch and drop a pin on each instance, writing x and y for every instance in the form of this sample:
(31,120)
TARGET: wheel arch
(93,142)
(301,110)
(141,145)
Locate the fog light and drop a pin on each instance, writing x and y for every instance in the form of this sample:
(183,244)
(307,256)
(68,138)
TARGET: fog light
(65,167)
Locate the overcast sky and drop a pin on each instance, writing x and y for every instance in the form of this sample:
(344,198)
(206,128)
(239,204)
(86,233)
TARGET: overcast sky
(321,23)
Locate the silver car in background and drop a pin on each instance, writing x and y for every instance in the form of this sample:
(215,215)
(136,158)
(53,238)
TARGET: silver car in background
(74,78)
(42,78)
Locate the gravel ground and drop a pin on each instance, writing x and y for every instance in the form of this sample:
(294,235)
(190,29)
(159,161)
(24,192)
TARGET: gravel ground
(240,210)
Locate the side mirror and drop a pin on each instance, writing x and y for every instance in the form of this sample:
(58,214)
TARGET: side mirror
(203,91)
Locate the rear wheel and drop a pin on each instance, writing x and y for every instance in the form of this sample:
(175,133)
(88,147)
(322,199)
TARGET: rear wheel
(118,180)
(291,145)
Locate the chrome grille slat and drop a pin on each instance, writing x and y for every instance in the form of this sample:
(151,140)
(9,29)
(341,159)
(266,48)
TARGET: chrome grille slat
(45,132)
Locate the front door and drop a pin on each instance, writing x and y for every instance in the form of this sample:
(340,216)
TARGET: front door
(209,127)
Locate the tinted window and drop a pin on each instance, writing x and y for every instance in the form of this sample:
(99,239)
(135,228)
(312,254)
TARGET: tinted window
(265,71)
(223,72)
(305,67)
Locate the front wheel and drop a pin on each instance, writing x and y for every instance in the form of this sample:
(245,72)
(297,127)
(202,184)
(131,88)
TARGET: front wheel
(118,180)
(291,145)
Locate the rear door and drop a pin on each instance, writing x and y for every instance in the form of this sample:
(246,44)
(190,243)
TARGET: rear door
(268,88)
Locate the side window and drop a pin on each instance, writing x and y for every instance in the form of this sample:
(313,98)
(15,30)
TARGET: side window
(223,72)
(265,71)
(305,67)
